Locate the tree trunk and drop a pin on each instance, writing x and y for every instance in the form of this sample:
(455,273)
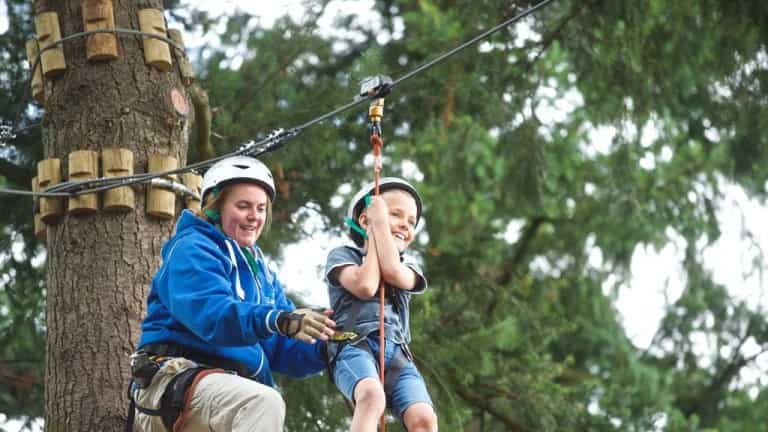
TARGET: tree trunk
(100,265)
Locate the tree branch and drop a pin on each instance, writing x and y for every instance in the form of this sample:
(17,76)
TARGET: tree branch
(202,121)
(521,249)
(481,402)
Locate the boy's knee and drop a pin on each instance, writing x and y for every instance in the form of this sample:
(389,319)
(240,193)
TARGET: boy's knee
(420,417)
(369,392)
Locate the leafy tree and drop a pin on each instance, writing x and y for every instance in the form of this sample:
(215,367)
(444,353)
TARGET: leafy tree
(22,330)
(519,332)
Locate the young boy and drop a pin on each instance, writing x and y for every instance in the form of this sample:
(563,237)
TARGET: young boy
(382,231)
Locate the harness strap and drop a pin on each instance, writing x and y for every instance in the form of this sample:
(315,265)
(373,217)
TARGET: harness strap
(393,369)
(131,415)
(181,391)
(211,361)
(148,411)
(172,401)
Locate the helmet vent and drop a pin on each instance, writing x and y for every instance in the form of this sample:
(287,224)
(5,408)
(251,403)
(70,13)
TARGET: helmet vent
(241,166)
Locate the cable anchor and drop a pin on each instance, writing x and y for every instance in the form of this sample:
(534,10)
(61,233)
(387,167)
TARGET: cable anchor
(375,114)
(376,86)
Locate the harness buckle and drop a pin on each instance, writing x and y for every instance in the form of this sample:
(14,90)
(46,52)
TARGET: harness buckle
(343,336)
(143,368)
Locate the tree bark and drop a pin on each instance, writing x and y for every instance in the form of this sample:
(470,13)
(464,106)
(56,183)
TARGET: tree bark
(100,265)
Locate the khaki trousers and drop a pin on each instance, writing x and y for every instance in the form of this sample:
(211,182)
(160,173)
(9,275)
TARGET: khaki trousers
(222,402)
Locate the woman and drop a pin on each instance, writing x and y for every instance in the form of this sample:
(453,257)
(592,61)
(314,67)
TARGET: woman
(218,322)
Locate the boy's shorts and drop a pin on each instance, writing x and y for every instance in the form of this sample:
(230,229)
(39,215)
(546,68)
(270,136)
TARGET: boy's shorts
(353,364)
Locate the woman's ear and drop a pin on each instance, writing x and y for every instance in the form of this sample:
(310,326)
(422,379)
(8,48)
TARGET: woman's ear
(363,221)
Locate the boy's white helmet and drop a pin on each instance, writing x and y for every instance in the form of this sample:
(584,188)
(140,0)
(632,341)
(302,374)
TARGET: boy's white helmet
(386,183)
(242,168)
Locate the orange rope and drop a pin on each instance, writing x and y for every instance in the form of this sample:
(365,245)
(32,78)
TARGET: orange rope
(377,143)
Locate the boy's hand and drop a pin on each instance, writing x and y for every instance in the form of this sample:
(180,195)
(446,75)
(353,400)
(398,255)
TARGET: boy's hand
(306,325)
(377,212)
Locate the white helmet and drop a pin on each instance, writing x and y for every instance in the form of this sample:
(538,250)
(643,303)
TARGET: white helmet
(386,183)
(243,168)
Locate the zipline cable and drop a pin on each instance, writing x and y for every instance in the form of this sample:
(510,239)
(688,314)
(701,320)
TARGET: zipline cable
(483,35)
(273,141)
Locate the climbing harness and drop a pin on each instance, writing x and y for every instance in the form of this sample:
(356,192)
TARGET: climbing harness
(344,336)
(147,362)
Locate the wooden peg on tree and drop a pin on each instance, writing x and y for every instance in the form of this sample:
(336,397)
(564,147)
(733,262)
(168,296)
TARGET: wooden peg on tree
(99,15)
(157,53)
(83,165)
(185,67)
(118,162)
(39,226)
(194,182)
(49,174)
(161,203)
(48,32)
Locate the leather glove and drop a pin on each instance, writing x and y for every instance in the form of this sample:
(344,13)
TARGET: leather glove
(305,324)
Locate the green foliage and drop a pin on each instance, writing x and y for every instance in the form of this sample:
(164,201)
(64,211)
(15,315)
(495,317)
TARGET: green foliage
(22,332)
(520,333)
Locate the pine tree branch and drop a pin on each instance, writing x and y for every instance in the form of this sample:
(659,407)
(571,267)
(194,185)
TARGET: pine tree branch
(522,248)
(483,403)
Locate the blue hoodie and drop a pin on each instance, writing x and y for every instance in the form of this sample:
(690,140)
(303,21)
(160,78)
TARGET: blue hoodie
(205,297)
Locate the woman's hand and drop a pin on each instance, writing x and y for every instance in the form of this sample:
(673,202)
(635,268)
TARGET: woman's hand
(306,325)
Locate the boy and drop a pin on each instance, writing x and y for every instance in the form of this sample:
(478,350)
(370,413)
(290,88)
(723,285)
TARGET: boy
(382,231)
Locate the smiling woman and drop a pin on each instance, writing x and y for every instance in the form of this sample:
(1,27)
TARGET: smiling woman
(238,194)
(215,306)
(244,213)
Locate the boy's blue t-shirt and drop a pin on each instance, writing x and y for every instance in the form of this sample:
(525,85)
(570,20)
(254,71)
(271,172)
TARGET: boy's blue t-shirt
(362,316)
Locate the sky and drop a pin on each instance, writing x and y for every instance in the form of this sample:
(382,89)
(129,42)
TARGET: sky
(657,277)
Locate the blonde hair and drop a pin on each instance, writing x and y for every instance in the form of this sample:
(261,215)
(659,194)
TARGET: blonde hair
(214,201)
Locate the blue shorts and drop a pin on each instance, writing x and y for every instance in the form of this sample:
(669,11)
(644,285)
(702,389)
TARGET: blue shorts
(353,364)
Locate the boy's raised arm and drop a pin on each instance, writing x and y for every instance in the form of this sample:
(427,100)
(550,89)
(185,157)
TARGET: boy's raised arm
(363,280)
(393,271)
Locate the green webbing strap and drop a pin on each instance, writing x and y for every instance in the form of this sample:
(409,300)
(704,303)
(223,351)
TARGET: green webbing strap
(354,226)
(214,215)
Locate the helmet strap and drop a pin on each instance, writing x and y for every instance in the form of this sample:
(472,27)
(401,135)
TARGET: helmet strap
(356,228)
(213,215)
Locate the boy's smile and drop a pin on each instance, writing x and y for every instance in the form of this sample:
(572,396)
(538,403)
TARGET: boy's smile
(402,216)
